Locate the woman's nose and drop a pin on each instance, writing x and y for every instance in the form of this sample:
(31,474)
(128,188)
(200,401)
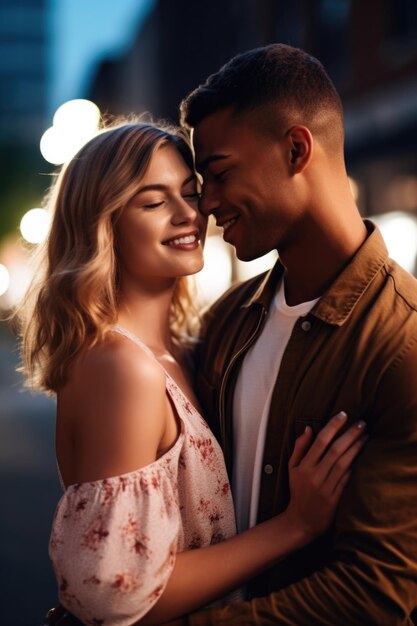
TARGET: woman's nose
(185,211)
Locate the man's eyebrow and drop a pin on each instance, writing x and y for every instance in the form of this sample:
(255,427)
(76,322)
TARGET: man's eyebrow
(159,187)
(203,165)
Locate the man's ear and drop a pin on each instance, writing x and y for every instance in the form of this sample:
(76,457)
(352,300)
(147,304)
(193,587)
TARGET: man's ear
(300,142)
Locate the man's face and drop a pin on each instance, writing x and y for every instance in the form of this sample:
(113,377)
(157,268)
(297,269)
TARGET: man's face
(248,185)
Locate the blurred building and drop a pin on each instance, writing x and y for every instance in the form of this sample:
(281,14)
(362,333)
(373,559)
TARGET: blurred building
(23,83)
(22,70)
(380,94)
(369,49)
(181,43)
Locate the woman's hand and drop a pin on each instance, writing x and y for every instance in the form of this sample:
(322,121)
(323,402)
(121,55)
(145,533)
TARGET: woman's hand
(318,473)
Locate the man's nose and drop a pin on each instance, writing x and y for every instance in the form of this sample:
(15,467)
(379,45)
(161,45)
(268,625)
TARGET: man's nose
(208,201)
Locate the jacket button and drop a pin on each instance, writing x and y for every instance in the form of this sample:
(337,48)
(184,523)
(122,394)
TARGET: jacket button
(306,325)
(268,469)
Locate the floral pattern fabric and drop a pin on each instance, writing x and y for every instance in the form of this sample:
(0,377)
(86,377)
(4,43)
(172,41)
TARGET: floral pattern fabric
(114,541)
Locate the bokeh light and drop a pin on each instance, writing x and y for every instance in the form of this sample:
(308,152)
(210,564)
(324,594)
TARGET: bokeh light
(56,146)
(34,225)
(15,258)
(216,275)
(399,231)
(4,279)
(80,115)
(75,122)
(248,269)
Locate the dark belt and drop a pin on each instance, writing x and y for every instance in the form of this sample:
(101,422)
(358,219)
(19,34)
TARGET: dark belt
(59,616)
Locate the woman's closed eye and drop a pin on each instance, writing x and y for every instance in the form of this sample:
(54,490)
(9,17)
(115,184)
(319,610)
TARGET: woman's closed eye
(153,205)
(152,200)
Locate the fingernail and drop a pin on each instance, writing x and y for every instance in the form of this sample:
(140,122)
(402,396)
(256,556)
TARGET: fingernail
(307,429)
(341,416)
(361,424)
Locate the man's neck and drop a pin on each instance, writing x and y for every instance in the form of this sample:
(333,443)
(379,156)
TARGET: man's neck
(308,274)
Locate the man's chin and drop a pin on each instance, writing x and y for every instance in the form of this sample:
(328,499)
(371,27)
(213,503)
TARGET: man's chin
(249,255)
(246,258)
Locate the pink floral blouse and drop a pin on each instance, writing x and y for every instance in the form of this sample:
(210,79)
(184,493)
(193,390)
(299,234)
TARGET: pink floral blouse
(114,541)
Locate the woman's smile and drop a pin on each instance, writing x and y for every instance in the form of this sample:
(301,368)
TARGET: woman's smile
(185,242)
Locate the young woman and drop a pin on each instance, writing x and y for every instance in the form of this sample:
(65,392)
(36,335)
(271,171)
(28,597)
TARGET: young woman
(145,529)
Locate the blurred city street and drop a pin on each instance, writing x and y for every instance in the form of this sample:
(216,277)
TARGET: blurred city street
(30,491)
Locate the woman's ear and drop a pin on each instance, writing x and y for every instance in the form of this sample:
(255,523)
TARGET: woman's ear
(300,141)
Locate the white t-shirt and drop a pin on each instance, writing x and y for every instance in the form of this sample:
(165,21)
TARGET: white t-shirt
(251,402)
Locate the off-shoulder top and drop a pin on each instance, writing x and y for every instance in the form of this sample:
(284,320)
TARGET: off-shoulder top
(114,541)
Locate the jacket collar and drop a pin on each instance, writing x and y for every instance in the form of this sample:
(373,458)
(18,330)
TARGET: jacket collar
(338,302)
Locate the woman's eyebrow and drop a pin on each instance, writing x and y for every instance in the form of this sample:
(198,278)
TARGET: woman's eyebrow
(153,187)
(160,187)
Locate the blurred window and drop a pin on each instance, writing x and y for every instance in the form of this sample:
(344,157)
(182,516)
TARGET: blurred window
(402,24)
(331,38)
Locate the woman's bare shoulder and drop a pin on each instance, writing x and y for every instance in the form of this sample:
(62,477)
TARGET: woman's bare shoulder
(116,406)
(116,359)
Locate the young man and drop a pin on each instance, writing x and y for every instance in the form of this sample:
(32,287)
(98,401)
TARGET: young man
(333,326)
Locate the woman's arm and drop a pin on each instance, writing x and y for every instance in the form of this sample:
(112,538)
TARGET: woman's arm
(318,475)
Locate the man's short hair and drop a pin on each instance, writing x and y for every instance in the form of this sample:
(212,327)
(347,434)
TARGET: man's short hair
(277,74)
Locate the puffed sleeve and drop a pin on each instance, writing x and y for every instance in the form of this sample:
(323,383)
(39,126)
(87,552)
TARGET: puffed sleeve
(114,541)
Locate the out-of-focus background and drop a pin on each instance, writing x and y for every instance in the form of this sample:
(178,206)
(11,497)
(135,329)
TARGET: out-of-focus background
(145,55)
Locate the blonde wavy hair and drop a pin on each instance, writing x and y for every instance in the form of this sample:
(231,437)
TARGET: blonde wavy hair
(72,302)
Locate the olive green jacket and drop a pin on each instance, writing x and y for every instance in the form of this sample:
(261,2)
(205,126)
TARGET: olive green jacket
(355,351)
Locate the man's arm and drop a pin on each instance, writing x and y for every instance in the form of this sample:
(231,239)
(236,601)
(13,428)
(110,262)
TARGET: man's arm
(373,579)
